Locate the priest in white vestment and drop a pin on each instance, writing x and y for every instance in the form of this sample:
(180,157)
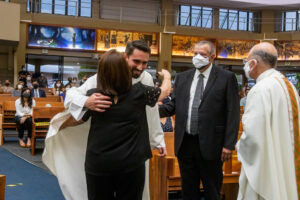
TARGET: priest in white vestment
(266,148)
(64,152)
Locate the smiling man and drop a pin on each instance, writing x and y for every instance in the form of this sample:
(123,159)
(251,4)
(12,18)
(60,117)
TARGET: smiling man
(137,55)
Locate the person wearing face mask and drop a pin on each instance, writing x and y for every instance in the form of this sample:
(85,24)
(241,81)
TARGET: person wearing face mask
(84,78)
(269,145)
(23,116)
(205,101)
(17,91)
(36,91)
(7,87)
(28,81)
(58,88)
(75,82)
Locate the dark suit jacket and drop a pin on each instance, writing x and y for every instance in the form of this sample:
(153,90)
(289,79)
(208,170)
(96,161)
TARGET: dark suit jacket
(219,111)
(41,93)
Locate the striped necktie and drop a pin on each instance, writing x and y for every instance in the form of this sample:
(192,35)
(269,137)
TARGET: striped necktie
(195,106)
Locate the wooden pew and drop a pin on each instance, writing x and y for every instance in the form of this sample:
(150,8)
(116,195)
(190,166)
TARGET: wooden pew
(49,104)
(165,174)
(8,110)
(41,118)
(2,187)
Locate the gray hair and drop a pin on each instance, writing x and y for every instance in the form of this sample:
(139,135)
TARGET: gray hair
(267,58)
(209,43)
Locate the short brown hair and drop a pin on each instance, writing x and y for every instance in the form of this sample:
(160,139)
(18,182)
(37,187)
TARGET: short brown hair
(137,44)
(114,75)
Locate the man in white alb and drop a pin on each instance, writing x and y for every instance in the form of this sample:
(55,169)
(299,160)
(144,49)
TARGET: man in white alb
(137,55)
(269,145)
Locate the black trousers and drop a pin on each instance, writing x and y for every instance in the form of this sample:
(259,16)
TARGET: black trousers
(21,127)
(123,186)
(194,168)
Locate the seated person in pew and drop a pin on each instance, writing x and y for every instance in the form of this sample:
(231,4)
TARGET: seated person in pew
(7,87)
(23,116)
(36,91)
(58,88)
(111,167)
(17,91)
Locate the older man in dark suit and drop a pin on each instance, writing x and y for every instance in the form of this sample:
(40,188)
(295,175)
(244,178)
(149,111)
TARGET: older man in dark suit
(206,104)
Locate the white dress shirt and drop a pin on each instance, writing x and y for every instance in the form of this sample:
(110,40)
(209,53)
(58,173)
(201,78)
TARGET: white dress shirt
(36,93)
(20,110)
(206,74)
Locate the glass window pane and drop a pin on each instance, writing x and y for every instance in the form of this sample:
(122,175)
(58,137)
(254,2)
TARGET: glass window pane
(243,21)
(223,18)
(60,7)
(184,17)
(298,28)
(251,22)
(28,6)
(46,6)
(78,67)
(290,21)
(73,7)
(85,9)
(207,18)
(233,15)
(196,16)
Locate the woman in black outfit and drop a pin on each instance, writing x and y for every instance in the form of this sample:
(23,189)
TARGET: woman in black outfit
(118,142)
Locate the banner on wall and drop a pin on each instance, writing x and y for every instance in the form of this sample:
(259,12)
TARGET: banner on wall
(234,49)
(61,37)
(288,50)
(184,45)
(115,39)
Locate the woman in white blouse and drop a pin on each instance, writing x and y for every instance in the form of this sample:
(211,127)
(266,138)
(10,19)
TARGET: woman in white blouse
(24,116)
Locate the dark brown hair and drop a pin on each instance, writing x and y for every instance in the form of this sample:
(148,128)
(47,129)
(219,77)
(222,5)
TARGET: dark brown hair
(29,99)
(114,75)
(137,44)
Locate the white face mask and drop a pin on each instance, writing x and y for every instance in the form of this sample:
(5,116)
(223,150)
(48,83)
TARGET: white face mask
(200,61)
(58,84)
(28,78)
(20,87)
(247,69)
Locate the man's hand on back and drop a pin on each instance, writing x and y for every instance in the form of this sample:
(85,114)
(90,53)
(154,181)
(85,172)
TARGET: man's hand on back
(98,102)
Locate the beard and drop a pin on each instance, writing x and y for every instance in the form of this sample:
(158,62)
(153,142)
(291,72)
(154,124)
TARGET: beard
(136,73)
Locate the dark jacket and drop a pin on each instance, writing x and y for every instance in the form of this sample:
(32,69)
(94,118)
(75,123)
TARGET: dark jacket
(219,111)
(41,93)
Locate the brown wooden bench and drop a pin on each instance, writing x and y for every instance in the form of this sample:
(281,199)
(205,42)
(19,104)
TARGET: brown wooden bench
(165,174)
(2,187)
(8,110)
(41,118)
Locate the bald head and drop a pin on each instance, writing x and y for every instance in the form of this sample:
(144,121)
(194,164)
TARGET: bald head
(266,53)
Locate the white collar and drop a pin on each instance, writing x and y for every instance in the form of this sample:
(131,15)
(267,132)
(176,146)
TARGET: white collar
(265,74)
(205,73)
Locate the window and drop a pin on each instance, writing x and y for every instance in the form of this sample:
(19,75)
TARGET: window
(290,21)
(81,8)
(195,16)
(236,20)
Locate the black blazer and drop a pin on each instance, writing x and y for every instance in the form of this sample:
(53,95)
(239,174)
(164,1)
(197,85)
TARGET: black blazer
(41,93)
(219,111)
